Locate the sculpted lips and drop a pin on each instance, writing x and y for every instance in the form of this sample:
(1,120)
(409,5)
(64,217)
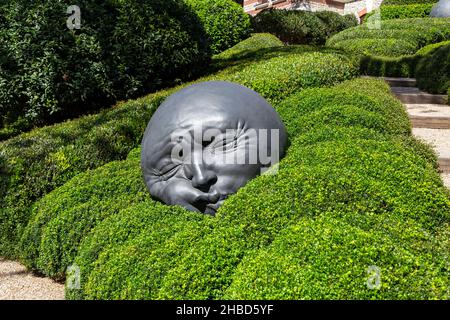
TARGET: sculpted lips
(212,208)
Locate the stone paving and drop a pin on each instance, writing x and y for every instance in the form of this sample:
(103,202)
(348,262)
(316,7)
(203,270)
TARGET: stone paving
(430,118)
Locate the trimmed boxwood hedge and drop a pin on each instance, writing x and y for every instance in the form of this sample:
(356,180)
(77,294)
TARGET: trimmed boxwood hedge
(394,38)
(405,2)
(354,195)
(35,163)
(416,10)
(256,41)
(404,66)
(301,27)
(62,219)
(224,22)
(433,71)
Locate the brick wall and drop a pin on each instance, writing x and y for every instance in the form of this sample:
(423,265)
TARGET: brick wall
(356,7)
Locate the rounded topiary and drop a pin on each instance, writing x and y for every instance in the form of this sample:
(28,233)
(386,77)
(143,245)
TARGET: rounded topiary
(292,27)
(224,21)
(124,48)
(62,219)
(298,27)
(433,71)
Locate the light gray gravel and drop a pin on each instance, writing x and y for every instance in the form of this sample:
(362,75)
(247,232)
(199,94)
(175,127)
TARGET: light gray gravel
(446,178)
(18,284)
(429,110)
(438,138)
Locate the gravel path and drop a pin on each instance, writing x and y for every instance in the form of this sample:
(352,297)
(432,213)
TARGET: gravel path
(18,284)
(438,138)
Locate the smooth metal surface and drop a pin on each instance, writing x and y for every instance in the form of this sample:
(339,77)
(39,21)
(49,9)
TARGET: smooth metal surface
(441,9)
(191,133)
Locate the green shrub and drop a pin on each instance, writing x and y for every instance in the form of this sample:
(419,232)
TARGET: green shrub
(63,218)
(124,49)
(297,26)
(433,71)
(416,10)
(404,66)
(356,181)
(155,221)
(293,269)
(406,2)
(343,193)
(431,48)
(255,42)
(395,37)
(382,47)
(33,164)
(279,77)
(396,48)
(334,22)
(224,22)
(376,104)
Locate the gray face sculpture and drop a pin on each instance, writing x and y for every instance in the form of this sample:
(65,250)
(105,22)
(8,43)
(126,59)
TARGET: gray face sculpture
(206,141)
(441,9)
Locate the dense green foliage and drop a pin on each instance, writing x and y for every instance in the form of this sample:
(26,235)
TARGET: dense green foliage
(393,38)
(256,41)
(403,66)
(66,215)
(352,191)
(301,27)
(406,2)
(33,164)
(123,49)
(224,22)
(433,71)
(417,10)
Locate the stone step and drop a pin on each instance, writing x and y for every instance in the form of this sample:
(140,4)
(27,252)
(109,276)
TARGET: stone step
(400,82)
(439,139)
(411,95)
(444,165)
(396,82)
(432,116)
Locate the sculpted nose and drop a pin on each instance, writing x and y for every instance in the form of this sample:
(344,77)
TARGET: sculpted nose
(202,178)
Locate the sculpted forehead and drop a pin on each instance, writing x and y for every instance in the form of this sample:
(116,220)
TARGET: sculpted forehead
(211,104)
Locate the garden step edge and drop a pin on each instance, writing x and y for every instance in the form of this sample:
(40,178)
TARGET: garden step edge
(411,95)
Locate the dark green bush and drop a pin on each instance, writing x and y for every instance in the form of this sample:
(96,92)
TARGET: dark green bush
(433,71)
(33,164)
(344,193)
(224,22)
(335,22)
(123,49)
(256,41)
(298,27)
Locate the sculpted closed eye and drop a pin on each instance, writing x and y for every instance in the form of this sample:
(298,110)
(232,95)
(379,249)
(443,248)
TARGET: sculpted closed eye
(169,172)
